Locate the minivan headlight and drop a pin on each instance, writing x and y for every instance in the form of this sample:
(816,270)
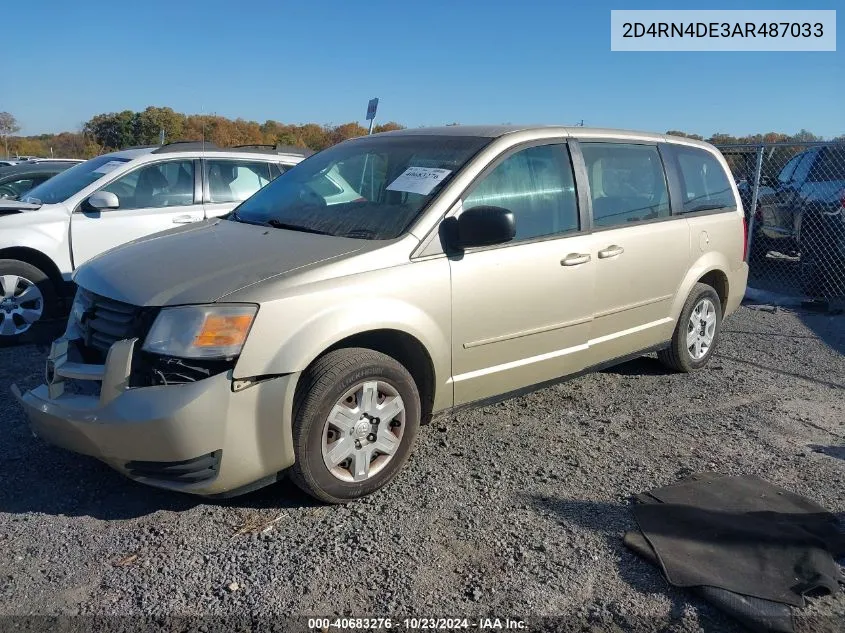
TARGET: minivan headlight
(212,331)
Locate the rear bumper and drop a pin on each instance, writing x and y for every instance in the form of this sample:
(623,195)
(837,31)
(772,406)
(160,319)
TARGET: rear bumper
(202,437)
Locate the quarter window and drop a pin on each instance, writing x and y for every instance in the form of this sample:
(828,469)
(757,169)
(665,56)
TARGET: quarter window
(234,181)
(538,186)
(627,183)
(166,184)
(704,184)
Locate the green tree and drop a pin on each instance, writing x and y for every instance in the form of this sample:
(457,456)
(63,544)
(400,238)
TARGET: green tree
(805,136)
(346,131)
(696,137)
(149,124)
(8,125)
(720,138)
(113,131)
(387,127)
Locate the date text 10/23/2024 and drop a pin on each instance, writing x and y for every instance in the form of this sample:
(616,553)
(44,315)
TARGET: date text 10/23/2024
(416,624)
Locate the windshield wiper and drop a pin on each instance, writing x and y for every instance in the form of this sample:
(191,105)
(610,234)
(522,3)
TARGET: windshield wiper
(361,234)
(235,217)
(278,224)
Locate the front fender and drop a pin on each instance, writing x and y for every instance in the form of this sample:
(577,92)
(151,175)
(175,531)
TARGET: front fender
(289,333)
(45,231)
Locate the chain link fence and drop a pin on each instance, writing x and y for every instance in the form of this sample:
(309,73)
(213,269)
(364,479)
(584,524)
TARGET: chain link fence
(794,200)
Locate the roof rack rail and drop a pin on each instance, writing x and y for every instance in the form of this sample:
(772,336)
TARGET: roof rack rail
(266,145)
(181,146)
(276,149)
(184,146)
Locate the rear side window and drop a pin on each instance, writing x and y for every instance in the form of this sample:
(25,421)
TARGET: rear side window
(234,181)
(627,183)
(704,183)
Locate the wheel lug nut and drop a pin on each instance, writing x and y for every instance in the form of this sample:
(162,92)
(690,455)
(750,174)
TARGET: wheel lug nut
(357,443)
(371,437)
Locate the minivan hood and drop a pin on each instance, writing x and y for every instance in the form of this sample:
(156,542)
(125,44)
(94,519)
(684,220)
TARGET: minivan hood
(204,262)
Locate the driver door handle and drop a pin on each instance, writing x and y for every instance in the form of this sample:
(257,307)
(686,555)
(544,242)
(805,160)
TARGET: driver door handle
(611,251)
(575,259)
(185,219)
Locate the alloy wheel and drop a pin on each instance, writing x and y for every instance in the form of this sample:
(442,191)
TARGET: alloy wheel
(701,329)
(21,304)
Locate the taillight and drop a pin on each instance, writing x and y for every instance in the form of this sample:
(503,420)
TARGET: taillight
(744,239)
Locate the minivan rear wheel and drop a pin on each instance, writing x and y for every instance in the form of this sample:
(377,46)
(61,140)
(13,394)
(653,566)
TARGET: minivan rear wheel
(696,333)
(27,298)
(356,415)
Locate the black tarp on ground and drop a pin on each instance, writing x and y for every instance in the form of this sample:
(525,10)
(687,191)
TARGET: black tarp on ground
(755,613)
(741,535)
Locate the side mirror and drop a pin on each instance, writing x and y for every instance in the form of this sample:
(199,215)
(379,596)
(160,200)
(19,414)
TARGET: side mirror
(485,226)
(103,200)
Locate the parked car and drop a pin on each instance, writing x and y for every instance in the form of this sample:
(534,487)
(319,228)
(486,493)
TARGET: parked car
(813,180)
(17,180)
(473,263)
(108,201)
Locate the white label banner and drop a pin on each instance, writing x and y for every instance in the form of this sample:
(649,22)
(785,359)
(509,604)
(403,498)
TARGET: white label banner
(109,166)
(728,30)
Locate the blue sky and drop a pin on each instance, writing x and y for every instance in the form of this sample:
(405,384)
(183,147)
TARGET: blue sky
(430,62)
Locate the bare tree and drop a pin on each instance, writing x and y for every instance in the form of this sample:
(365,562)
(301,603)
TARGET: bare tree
(8,125)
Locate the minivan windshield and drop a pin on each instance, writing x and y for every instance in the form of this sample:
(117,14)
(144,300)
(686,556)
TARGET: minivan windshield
(62,186)
(369,188)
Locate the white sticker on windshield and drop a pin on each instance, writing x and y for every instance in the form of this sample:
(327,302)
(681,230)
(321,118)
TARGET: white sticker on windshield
(420,180)
(109,166)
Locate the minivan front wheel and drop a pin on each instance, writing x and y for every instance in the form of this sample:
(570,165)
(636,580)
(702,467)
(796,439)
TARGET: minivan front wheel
(696,333)
(357,413)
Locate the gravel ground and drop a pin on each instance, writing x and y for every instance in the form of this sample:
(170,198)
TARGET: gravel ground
(512,510)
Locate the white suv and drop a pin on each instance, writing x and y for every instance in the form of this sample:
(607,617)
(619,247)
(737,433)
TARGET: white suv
(111,200)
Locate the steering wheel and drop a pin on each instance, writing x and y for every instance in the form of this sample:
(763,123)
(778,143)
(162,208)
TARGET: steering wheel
(7,191)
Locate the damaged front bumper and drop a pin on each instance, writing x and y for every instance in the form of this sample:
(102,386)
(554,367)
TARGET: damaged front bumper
(201,437)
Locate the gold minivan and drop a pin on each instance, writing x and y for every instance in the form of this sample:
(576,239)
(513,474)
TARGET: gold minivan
(381,281)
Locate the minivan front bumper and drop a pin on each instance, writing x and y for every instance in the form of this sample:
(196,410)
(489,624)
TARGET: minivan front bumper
(203,437)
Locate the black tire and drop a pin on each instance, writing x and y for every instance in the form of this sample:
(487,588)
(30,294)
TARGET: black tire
(50,309)
(320,388)
(677,357)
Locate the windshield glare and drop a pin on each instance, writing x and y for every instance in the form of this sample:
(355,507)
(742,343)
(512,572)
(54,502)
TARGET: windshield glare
(370,188)
(62,186)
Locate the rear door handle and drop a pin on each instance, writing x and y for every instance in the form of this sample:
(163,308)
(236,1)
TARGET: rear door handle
(185,219)
(611,251)
(575,259)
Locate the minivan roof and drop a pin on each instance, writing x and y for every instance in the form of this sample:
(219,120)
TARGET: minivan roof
(495,131)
